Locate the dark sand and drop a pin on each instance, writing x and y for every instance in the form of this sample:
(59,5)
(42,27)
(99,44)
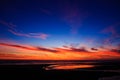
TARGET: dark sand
(37,72)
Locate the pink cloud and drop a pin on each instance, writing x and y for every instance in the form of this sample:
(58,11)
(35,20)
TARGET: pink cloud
(43,36)
(9,25)
(39,35)
(72,15)
(13,30)
(90,40)
(112,30)
(30,35)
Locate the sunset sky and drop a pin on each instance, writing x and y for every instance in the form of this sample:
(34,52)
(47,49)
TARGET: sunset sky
(60,29)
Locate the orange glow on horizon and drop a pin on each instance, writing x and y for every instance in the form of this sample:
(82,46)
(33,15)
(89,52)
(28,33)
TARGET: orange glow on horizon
(21,52)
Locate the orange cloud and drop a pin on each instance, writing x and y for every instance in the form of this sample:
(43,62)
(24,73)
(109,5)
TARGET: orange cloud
(10,56)
(29,47)
(14,51)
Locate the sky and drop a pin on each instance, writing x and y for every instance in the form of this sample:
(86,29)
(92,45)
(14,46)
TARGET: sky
(60,29)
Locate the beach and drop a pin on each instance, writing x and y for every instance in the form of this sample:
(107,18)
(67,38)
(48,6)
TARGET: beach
(39,72)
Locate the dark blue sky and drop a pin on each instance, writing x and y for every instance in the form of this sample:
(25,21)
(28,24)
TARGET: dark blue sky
(60,22)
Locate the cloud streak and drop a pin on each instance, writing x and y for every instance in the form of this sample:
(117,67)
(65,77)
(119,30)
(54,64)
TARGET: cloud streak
(30,35)
(55,50)
(29,47)
(34,52)
(115,50)
(72,15)
(82,49)
(12,29)
(9,25)
(112,31)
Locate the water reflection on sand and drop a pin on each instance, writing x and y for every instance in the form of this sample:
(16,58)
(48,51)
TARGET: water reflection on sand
(68,66)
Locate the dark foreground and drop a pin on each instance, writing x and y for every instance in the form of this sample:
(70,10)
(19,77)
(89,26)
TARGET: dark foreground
(37,72)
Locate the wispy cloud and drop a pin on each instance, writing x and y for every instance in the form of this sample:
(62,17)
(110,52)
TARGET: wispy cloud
(82,49)
(115,50)
(71,14)
(13,29)
(55,50)
(8,24)
(39,52)
(29,47)
(9,56)
(112,31)
(30,35)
